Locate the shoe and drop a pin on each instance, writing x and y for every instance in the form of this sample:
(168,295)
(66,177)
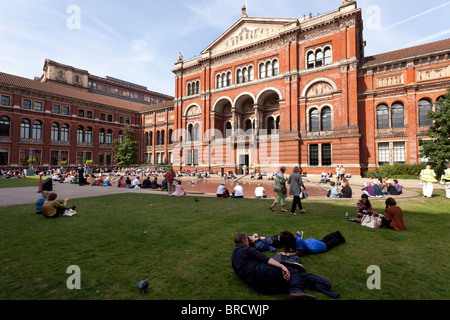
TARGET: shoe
(293,213)
(302,211)
(271,208)
(300,234)
(301,296)
(73,207)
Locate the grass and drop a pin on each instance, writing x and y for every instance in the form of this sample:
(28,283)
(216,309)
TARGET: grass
(186,253)
(30,181)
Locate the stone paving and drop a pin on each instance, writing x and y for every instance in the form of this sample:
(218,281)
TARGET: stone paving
(25,195)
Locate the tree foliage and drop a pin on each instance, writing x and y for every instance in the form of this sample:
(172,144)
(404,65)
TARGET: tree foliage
(437,149)
(127,151)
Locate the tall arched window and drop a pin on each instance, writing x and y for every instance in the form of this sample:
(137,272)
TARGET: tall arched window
(277,125)
(146,139)
(163,137)
(245,75)
(250,73)
(328,59)
(326,119)
(101,136)
(314,120)
(276,68)
(311,59)
(37,130)
(382,117)
(197,87)
(109,137)
(64,132)
(120,137)
(150,138)
(262,70)
(270,125)
(398,115)
(319,58)
(268,69)
(228,129)
(248,127)
(88,135)
(239,76)
(169,137)
(218,81)
(190,136)
(4,126)
(55,132)
(158,138)
(425,106)
(25,129)
(80,134)
(229,78)
(197,131)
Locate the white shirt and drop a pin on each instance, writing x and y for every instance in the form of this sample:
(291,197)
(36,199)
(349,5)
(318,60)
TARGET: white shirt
(220,189)
(136,182)
(238,191)
(259,191)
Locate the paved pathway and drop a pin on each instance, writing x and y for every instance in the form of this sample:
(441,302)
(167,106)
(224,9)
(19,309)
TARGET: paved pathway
(25,195)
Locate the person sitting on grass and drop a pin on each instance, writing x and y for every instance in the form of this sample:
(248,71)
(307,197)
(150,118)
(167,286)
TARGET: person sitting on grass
(265,274)
(40,202)
(54,209)
(238,191)
(179,190)
(394,219)
(310,245)
(335,194)
(364,207)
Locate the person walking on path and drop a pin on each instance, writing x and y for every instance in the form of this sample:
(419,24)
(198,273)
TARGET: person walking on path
(280,190)
(445,179)
(295,187)
(427,178)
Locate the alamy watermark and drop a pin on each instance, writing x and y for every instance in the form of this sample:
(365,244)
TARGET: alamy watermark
(74,20)
(374,281)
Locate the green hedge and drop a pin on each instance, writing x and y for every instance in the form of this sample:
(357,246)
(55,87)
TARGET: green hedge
(401,171)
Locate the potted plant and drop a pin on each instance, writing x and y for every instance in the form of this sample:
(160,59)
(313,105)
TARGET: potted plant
(89,164)
(32,161)
(62,163)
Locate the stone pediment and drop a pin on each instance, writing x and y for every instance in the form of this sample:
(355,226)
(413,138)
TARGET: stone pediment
(247,31)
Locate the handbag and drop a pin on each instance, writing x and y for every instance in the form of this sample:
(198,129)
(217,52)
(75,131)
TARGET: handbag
(69,213)
(283,188)
(371,221)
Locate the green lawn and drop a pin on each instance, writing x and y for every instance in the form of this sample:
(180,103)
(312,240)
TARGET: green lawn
(30,181)
(186,253)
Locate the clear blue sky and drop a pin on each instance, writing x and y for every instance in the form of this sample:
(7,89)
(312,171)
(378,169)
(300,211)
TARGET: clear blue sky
(139,41)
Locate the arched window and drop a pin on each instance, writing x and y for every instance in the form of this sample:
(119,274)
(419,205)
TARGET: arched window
(268,69)
(425,106)
(170,138)
(218,81)
(109,137)
(163,138)
(158,138)
(80,134)
(228,129)
(55,132)
(270,125)
(326,119)
(276,68)
(248,127)
(37,130)
(245,75)
(250,73)
(146,139)
(4,126)
(88,135)
(189,89)
(196,132)
(319,58)
(262,70)
(229,78)
(197,87)
(382,117)
(25,129)
(190,136)
(101,136)
(224,80)
(239,76)
(120,137)
(328,59)
(277,125)
(398,115)
(314,120)
(150,138)
(311,59)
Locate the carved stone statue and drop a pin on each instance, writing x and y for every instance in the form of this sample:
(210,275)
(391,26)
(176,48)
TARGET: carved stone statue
(180,58)
(244,11)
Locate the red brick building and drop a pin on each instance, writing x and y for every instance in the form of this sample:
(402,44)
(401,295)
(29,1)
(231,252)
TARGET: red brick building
(271,92)
(267,92)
